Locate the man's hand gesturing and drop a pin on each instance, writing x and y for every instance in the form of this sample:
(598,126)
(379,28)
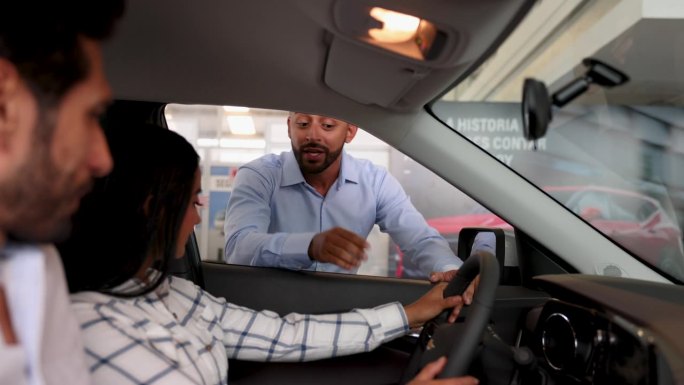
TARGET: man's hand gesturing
(340,247)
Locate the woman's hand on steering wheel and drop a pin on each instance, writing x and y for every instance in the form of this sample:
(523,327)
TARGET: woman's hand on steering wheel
(431,304)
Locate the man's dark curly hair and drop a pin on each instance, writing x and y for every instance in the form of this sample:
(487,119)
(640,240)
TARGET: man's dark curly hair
(41,38)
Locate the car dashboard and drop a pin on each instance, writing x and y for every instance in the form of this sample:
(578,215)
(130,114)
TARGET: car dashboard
(603,330)
(583,346)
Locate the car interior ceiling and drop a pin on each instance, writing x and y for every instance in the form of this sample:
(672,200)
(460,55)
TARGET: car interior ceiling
(399,93)
(395,84)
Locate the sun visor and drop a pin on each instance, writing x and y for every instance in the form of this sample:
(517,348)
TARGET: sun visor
(385,79)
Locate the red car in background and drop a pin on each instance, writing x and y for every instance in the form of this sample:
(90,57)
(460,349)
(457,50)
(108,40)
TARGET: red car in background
(636,221)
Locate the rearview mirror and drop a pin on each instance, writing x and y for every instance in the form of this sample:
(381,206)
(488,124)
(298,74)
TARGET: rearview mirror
(537,105)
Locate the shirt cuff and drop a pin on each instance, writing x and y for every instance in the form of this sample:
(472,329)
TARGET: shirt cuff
(484,241)
(295,251)
(449,267)
(393,320)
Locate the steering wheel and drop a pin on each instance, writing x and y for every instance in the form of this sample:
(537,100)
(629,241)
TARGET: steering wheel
(458,342)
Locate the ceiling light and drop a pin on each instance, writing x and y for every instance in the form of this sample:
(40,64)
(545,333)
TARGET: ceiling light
(396,27)
(404,34)
(241,125)
(408,35)
(235,109)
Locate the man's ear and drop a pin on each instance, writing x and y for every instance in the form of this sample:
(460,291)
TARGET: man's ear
(288,125)
(351,132)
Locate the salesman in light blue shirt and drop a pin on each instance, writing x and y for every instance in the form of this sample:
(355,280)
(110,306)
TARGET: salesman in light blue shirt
(312,208)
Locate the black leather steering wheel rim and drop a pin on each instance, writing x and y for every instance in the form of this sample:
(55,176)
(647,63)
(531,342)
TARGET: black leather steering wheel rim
(459,342)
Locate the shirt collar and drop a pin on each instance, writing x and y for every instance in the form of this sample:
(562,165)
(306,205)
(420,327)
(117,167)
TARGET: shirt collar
(293,175)
(135,284)
(349,172)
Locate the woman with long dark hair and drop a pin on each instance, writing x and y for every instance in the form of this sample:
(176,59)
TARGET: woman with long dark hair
(141,325)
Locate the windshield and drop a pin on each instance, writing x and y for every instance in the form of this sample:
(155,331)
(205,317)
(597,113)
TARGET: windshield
(614,155)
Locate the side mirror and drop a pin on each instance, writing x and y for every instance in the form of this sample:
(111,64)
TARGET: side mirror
(473,240)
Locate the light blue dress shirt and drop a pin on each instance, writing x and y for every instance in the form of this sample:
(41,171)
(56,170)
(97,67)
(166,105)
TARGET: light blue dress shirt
(273,214)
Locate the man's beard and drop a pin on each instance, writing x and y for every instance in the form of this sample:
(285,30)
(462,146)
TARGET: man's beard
(308,168)
(36,202)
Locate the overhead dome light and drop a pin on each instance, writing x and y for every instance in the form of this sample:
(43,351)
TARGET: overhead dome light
(404,34)
(396,27)
(408,35)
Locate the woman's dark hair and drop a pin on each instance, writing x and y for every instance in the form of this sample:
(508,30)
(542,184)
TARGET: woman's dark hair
(134,212)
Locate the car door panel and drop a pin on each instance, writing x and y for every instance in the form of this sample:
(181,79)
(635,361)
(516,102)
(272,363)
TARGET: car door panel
(311,292)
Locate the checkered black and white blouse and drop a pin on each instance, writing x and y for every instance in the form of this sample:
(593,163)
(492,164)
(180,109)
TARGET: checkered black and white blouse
(181,334)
